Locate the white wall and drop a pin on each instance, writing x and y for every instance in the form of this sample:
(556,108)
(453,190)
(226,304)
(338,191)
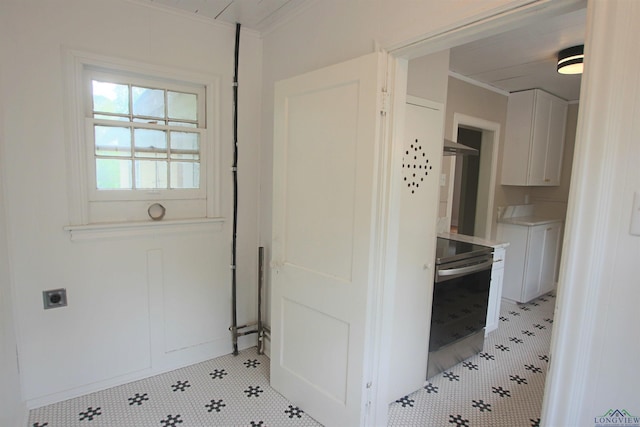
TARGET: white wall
(11,407)
(594,365)
(476,101)
(427,77)
(589,371)
(137,305)
(331,31)
(480,103)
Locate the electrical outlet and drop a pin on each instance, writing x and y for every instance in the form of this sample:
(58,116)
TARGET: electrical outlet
(54,298)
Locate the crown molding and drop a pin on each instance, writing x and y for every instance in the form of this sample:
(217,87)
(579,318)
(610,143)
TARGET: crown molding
(477,83)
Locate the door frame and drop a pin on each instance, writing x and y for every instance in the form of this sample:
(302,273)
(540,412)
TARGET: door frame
(488,168)
(521,13)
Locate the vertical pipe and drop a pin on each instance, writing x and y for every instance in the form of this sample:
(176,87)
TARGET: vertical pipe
(260,285)
(234,326)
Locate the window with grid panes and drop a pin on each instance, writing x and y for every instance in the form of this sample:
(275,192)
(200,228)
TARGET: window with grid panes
(140,134)
(146,137)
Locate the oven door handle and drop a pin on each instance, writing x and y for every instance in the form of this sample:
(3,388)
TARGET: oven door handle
(467,269)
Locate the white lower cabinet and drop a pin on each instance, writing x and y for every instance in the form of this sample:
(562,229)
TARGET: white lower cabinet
(533,259)
(495,291)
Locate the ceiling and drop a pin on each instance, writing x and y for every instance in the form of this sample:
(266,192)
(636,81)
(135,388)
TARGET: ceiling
(524,58)
(257,15)
(520,59)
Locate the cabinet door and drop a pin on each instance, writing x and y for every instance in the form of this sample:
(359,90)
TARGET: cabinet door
(540,139)
(534,139)
(517,141)
(514,270)
(495,298)
(533,265)
(549,263)
(555,144)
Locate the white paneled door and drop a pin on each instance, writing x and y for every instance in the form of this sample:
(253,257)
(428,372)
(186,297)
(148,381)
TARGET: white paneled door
(326,152)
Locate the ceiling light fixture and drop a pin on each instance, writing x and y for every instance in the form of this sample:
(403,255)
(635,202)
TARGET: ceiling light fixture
(571,60)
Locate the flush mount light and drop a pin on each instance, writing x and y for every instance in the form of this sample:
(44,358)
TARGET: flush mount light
(571,60)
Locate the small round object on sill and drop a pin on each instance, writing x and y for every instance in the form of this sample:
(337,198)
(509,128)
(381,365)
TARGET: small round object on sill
(156,211)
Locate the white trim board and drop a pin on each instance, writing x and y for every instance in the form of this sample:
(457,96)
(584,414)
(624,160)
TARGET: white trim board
(477,83)
(486,127)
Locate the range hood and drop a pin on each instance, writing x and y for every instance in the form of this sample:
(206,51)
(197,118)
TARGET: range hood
(454,149)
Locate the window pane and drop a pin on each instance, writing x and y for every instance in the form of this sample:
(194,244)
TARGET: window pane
(112,141)
(151,174)
(182,105)
(185,145)
(183,124)
(150,143)
(148,102)
(110,97)
(113,174)
(185,175)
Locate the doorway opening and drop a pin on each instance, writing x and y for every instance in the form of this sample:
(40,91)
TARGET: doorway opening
(482,226)
(465,184)
(472,190)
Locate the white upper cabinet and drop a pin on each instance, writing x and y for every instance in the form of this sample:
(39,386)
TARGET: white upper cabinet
(534,139)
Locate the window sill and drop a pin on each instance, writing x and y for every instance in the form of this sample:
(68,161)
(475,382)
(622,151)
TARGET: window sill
(146,228)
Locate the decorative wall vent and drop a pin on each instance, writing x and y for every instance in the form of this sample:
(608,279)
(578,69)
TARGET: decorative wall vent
(415,166)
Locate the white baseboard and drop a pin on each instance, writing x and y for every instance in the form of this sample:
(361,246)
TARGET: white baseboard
(207,352)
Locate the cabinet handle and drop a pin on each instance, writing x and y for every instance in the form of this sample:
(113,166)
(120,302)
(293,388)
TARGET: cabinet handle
(547,180)
(497,260)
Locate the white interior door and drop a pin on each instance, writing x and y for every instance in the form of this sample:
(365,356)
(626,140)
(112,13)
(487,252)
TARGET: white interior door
(326,138)
(421,160)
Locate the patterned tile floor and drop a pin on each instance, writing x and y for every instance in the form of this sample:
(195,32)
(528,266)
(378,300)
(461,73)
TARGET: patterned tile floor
(503,386)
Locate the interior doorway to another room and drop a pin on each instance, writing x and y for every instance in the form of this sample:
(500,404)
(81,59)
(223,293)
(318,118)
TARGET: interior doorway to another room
(465,184)
(471,189)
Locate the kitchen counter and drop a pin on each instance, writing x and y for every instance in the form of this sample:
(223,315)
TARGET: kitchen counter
(474,240)
(529,220)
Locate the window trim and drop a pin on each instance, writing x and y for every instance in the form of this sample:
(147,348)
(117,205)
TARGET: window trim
(76,64)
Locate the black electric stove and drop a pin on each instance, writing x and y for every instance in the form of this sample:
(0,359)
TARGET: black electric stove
(448,250)
(460,299)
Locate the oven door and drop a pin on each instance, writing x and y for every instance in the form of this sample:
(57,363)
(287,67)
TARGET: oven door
(460,300)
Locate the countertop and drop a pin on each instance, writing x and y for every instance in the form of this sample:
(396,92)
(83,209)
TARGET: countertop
(473,239)
(525,215)
(529,220)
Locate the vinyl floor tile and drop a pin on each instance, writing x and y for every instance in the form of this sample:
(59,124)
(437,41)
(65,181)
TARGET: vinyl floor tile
(502,386)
